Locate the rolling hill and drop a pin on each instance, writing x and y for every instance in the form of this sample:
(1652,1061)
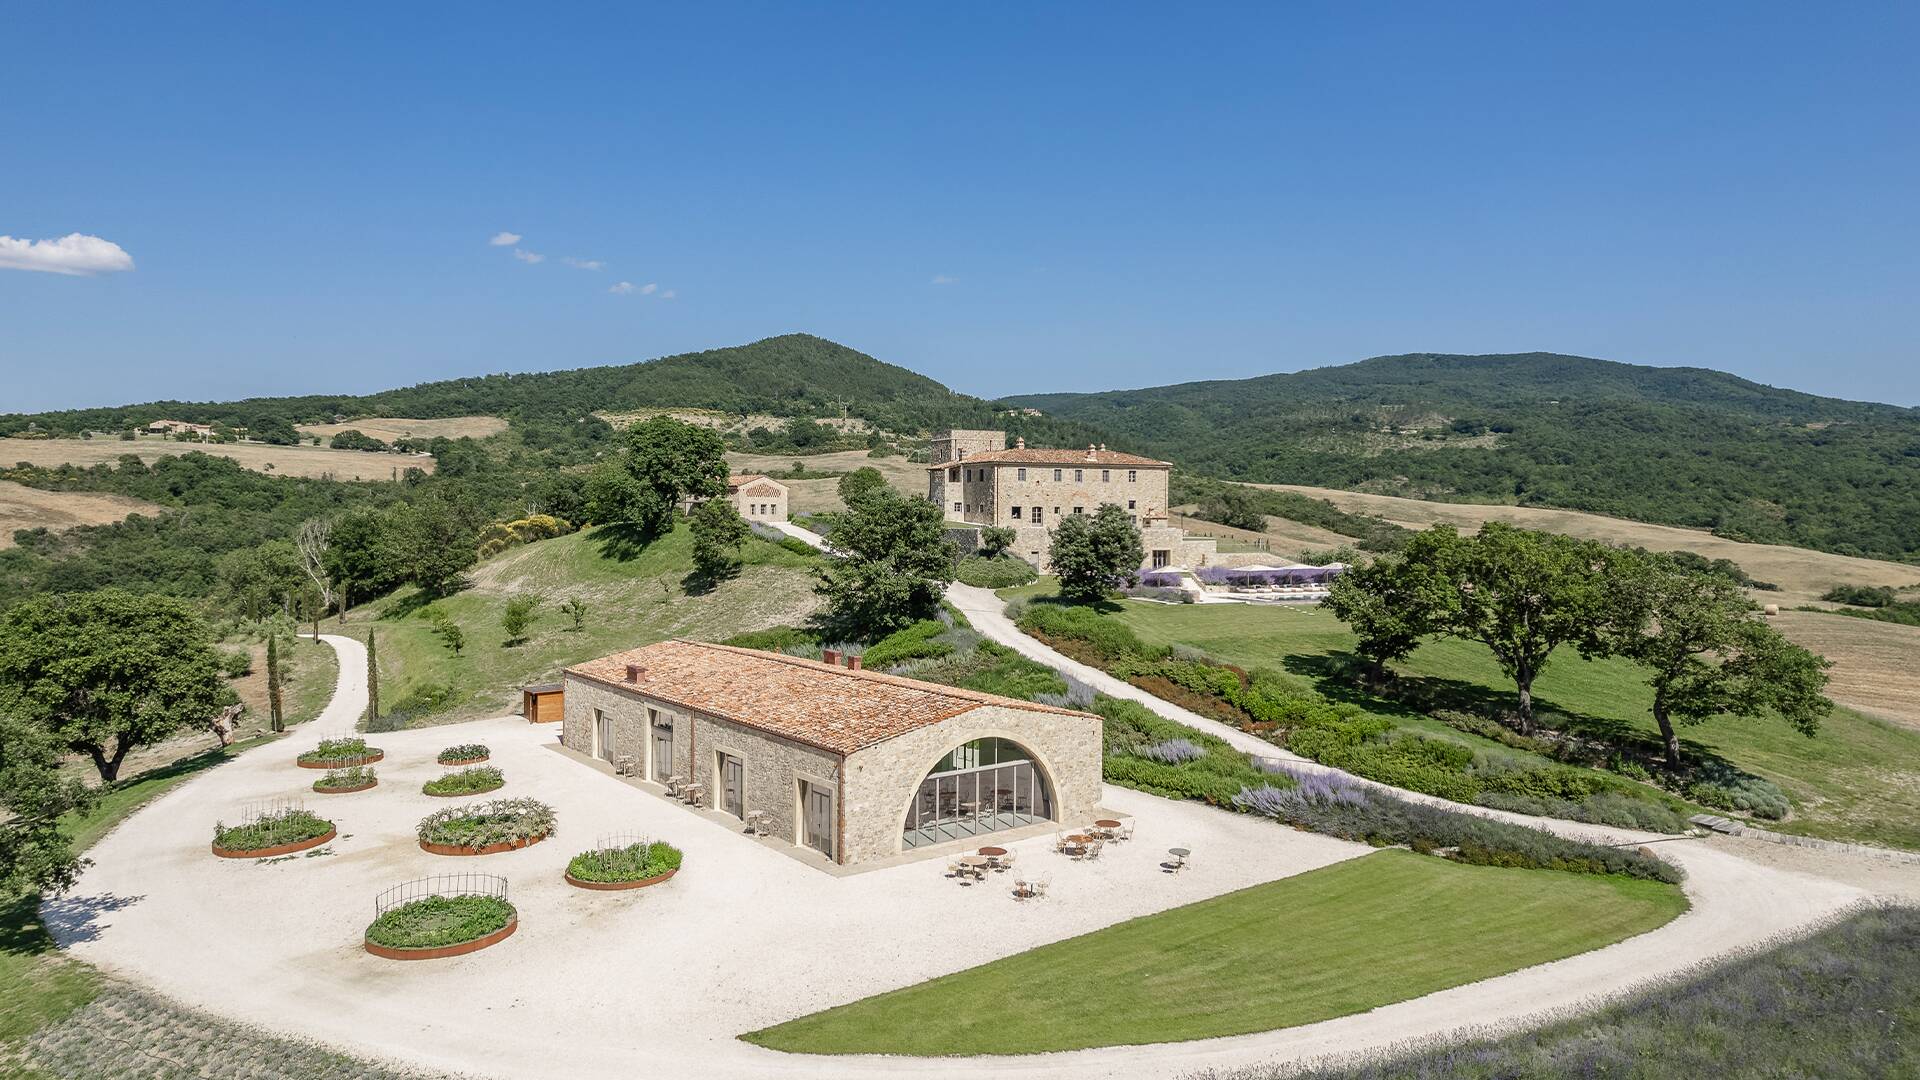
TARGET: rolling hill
(1676,446)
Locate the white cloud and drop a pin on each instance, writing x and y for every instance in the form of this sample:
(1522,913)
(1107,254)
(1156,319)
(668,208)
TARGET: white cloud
(649,289)
(942,279)
(668,295)
(583,264)
(504,239)
(75,253)
(621,288)
(528,256)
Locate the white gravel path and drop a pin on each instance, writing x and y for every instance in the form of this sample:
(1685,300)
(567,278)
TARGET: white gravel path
(659,982)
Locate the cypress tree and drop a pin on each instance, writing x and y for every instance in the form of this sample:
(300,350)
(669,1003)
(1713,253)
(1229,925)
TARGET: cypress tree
(273,681)
(373,679)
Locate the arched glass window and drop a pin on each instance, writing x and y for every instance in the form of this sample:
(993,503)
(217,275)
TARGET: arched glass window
(980,787)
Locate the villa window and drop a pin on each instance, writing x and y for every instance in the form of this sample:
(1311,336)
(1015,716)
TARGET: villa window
(1079,475)
(1161,557)
(1129,504)
(1079,509)
(1105,476)
(1056,476)
(1020,474)
(953,474)
(1016,513)
(1036,515)
(956,508)
(1132,475)
(1056,511)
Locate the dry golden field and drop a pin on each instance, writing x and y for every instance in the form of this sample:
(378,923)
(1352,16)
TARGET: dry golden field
(1286,539)
(809,496)
(1876,665)
(31,508)
(731,423)
(284,460)
(1801,574)
(389,428)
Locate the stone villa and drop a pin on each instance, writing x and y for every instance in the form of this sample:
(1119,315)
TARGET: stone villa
(847,765)
(758,498)
(978,480)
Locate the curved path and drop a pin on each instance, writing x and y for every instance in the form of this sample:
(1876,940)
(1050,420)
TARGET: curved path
(752,936)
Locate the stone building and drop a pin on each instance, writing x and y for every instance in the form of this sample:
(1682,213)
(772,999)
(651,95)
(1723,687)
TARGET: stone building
(853,765)
(758,498)
(978,480)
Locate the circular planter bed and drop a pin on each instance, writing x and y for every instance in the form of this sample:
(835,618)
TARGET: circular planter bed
(486,828)
(613,867)
(340,754)
(436,927)
(278,849)
(616,886)
(278,832)
(469,781)
(347,790)
(464,754)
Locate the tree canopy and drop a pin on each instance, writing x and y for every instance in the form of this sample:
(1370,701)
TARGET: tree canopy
(108,671)
(1093,553)
(665,460)
(890,567)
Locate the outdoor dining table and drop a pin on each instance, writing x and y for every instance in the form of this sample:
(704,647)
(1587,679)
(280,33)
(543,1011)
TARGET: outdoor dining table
(1107,823)
(976,864)
(992,852)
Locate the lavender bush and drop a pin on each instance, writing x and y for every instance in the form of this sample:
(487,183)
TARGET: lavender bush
(1173,752)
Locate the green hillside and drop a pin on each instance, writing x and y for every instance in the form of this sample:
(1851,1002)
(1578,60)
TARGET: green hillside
(1679,446)
(791,375)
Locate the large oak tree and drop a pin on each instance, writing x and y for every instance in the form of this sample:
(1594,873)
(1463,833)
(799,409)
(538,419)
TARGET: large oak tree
(104,672)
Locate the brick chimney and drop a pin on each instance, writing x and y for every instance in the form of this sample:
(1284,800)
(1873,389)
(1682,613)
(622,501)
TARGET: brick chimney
(1020,443)
(853,663)
(634,671)
(1089,451)
(830,656)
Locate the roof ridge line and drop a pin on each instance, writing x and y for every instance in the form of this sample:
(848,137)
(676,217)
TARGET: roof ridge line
(978,697)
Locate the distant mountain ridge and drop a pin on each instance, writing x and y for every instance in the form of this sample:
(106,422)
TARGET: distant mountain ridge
(1681,446)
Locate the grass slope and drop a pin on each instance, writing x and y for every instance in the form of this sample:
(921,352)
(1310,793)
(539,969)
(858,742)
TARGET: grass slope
(1343,939)
(1840,1004)
(635,596)
(1859,779)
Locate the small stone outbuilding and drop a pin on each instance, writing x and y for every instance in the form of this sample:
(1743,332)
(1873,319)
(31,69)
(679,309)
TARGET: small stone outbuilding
(758,498)
(854,765)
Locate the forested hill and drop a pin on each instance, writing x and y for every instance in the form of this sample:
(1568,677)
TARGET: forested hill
(1681,446)
(791,375)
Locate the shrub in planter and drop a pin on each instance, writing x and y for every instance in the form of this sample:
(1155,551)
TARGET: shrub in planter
(464,754)
(497,823)
(352,778)
(271,830)
(474,780)
(631,862)
(439,921)
(339,753)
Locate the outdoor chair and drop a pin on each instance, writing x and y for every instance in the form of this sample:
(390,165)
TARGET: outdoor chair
(1093,849)
(1125,831)
(1005,862)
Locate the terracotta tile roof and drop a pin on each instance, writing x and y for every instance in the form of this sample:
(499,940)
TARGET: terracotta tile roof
(743,479)
(834,708)
(1055,457)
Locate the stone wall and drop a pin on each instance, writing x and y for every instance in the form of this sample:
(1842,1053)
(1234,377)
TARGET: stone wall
(761,500)
(881,780)
(773,766)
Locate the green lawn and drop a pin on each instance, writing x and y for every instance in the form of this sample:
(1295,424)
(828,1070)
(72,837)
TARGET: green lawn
(1382,928)
(1858,779)
(635,596)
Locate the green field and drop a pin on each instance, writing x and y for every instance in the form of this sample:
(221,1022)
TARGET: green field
(1858,779)
(634,597)
(1331,942)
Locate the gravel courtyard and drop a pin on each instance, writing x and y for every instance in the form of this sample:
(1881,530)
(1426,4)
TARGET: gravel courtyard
(657,981)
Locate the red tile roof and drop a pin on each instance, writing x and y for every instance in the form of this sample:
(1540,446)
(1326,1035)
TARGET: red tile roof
(834,708)
(1056,457)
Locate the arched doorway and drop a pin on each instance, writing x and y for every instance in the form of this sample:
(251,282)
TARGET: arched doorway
(981,786)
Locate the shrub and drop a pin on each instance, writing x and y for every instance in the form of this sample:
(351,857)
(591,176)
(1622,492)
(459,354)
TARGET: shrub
(1859,595)
(421,700)
(353,776)
(774,640)
(1728,789)
(343,751)
(1132,731)
(236,663)
(633,862)
(439,921)
(469,781)
(796,545)
(1342,808)
(1173,752)
(287,826)
(454,755)
(1107,639)
(915,642)
(499,821)
(995,571)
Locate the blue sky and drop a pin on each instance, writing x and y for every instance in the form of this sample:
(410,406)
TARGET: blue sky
(1010,198)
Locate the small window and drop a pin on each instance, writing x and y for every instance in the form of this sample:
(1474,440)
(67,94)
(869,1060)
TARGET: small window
(1056,476)
(956,508)
(1105,476)
(1036,515)
(1016,513)
(1078,475)
(953,474)
(1020,474)
(1056,511)
(1132,476)
(1079,509)
(1129,504)
(1161,557)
